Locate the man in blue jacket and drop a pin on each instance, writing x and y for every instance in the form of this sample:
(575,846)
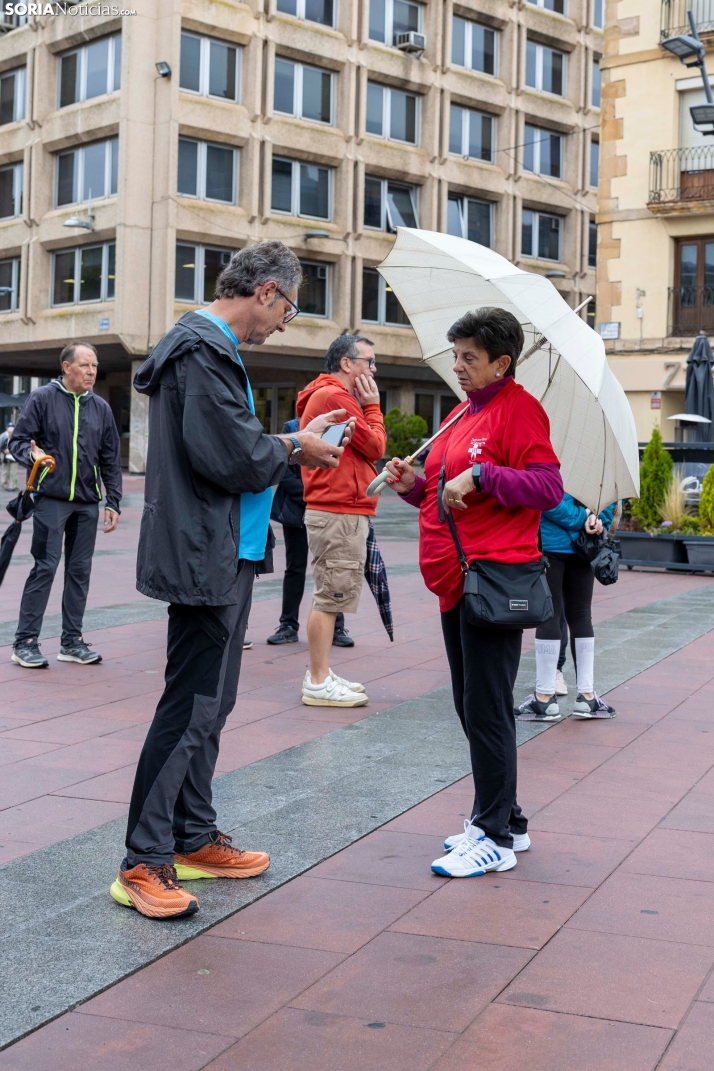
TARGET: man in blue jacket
(67,420)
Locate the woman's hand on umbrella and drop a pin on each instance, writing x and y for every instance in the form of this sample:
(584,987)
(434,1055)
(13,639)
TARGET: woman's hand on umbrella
(37,452)
(593,525)
(401,477)
(454,491)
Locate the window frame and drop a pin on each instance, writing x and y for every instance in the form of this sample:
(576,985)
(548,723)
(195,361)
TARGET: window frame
(536,229)
(468,46)
(598,5)
(295,190)
(204,68)
(78,152)
(18,186)
(381,303)
(199,270)
(78,250)
(594,143)
(544,7)
(19,93)
(466,113)
(537,153)
(298,96)
(15,285)
(202,171)
(81,52)
(389,33)
(463,200)
(387,92)
(595,66)
(538,87)
(327,314)
(386,224)
(592,229)
(300,14)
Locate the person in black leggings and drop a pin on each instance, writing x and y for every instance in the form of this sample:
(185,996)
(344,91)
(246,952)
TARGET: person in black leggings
(570,580)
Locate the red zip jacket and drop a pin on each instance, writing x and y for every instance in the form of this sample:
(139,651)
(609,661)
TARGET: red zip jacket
(342,490)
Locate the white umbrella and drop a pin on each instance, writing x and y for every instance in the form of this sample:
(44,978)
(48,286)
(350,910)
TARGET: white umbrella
(437,278)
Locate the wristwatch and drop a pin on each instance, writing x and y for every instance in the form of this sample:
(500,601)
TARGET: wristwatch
(476,477)
(294,458)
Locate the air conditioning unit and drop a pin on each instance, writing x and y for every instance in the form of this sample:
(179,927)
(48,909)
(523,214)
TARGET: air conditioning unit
(411,42)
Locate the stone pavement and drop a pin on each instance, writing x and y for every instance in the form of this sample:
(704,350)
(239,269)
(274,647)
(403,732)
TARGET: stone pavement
(590,954)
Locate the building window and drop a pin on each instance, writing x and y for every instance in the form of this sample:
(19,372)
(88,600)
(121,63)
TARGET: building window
(472,134)
(87,173)
(12,96)
(542,152)
(474,47)
(392,114)
(322,11)
(541,235)
(594,163)
(598,14)
(592,244)
(379,302)
(387,18)
(590,314)
(559,6)
(10,285)
(301,189)
(305,92)
(545,69)
(197,271)
(90,71)
(433,408)
(388,205)
(210,68)
(274,405)
(469,218)
(314,294)
(84,274)
(206,171)
(596,84)
(11,191)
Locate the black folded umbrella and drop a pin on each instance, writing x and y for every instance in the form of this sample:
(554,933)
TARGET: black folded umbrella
(20,509)
(376,576)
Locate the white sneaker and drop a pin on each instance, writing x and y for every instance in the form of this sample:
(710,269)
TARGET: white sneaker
(561,688)
(471,858)
(354,686)
(331,693)
(521,841)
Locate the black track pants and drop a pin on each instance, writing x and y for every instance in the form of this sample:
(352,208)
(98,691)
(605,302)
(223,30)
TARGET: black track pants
(171,804)
(484,664)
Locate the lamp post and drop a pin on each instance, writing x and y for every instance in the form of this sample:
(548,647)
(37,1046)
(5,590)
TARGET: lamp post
(689,49)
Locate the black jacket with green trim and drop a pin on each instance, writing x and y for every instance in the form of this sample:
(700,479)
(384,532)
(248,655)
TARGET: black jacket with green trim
(78,430)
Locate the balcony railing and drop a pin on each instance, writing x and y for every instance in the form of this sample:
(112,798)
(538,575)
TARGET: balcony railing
(674,20)
(691,310)
(682,175)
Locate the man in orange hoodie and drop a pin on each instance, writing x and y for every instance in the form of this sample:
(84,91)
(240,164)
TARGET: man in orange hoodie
(338,510)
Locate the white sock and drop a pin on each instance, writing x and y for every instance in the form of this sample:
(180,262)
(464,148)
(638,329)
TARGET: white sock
(547,654)
(585,658)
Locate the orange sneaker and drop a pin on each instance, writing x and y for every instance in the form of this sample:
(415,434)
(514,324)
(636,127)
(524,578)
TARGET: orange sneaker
(219,859)
(153,890)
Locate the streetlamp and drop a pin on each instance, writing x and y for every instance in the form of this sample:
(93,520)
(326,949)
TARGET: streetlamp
(690,50)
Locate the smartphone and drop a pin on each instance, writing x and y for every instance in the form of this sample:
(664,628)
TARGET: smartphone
(335,433)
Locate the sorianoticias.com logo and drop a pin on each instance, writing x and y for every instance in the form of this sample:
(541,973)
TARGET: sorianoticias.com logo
(65,9)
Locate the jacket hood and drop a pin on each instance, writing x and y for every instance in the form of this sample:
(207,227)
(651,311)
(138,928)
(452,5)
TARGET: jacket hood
(187,334)
(323,380)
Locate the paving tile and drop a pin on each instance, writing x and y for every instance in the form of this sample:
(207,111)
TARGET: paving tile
(675,853)
(566,859)
(599,816)
(693,1044)
(246,982)
(567,753)
(294,1040)
(49,819)
(69,729)
(416,981)
(608,976)
(12,750)
(114,787)
(83,1042)
(439,816)
(506,1038)
(311,912)
(538,780)
(384,858)
(494,910)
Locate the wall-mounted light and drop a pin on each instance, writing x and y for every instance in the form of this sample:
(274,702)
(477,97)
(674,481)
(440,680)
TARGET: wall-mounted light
(164,69)
(86,224)
(555,274)
(317,234)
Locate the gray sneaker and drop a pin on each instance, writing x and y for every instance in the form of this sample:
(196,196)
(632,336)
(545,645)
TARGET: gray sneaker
(534,710)
(78,651)
(592,708)
(27,653)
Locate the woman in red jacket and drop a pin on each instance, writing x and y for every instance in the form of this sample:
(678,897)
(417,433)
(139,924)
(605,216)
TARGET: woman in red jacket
(501,471)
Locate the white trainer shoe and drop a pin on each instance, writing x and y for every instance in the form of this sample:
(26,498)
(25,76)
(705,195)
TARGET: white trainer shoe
(333,692)
(471,858)
(561,687)
(354,686)
(521,841)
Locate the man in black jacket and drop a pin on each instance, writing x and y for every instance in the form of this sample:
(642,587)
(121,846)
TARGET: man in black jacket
(209,477)
(68,420)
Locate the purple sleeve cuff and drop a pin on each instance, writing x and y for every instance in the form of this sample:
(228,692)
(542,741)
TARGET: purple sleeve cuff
(416,496)
(536,487)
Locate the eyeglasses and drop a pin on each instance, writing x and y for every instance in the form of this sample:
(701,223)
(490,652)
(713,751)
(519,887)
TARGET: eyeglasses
(371,363)
(293,311)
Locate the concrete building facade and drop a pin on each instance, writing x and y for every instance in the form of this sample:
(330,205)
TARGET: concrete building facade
(656,206)
(137,151)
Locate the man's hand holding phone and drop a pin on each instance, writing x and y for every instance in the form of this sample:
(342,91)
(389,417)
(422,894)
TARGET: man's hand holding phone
(318,451)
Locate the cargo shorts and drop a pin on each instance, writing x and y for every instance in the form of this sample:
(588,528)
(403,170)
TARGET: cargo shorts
(338,542)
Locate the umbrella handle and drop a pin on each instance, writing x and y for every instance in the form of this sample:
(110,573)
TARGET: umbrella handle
(378,483)
(48,462)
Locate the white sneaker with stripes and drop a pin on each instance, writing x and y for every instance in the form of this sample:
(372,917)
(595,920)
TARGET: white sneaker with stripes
(471,858)
(521,841)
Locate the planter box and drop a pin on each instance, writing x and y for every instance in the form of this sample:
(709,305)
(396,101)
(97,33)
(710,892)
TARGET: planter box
(700,551)
(641,546)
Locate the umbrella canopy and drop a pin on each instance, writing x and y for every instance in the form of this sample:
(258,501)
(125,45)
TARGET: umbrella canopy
(376,576)
(438,277)
(699,391)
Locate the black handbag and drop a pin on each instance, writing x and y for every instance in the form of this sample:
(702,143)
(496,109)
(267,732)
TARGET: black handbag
(587,546)
(498,595)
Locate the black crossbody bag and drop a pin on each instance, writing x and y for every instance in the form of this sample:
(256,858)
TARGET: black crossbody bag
(499,595)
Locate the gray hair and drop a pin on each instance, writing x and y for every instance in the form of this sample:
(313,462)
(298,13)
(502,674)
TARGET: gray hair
(344,346)
(260,263)
(69,353)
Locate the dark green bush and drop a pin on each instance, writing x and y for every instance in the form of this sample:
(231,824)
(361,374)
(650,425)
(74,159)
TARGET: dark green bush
(655,478)
(405,432)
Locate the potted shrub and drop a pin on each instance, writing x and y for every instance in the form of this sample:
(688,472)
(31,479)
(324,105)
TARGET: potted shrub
(657,510)
(701,551)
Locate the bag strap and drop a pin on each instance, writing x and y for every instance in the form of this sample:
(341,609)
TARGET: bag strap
(449,518)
